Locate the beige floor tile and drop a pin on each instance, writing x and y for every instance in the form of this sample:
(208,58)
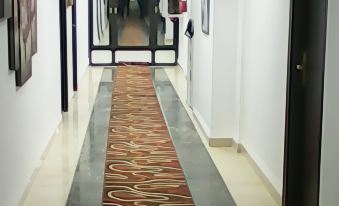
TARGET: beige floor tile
(52,181)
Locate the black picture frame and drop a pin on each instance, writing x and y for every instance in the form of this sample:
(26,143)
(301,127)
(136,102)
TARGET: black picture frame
(5,9)
(22,39)
(205,16)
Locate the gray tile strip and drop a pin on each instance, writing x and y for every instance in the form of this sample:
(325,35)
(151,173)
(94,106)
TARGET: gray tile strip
(206,184)
(88,179)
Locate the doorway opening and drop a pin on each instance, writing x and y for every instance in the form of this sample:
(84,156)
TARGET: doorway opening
(133,23)
(131,31)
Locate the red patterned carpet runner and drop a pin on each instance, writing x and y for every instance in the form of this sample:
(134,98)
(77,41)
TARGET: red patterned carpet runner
(142,168)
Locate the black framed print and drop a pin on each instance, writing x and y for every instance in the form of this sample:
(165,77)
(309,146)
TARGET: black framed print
(23,39)
(5,9)
(14,39)
(28,38)
(205,16)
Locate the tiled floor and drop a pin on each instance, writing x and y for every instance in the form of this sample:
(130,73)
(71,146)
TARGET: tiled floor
(88,180)
(204,180)
(241,179)
(53,180)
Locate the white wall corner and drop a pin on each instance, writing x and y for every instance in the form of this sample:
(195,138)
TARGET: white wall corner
(206,128)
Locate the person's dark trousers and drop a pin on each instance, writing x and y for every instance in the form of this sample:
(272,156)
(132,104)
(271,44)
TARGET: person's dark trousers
(122,5)
(163,20)
(143,8)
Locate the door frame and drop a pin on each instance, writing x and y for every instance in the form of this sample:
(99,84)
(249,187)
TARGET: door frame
(63,55)
(293,146)
(114,47)
(75,46)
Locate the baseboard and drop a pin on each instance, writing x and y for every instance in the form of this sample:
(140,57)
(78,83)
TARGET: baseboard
(271,189)
(220,142)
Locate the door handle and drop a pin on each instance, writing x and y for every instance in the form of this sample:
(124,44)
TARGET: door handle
(303,67)
(300,67)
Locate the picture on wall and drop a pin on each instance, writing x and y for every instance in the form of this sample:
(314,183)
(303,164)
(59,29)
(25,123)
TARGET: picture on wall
(205,16)
(5,9)
(14,39)
(23,38)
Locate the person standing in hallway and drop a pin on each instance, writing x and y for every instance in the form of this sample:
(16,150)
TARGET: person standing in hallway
(143,6)
(121,6)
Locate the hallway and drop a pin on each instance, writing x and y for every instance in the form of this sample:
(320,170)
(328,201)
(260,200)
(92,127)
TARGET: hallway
(169,103)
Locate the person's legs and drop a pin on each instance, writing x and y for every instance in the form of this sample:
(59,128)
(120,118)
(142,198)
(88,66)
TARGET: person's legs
(128,3)
(140,8)
(163,20)
(121,7)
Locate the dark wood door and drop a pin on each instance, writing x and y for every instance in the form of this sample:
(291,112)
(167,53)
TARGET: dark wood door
(305,102)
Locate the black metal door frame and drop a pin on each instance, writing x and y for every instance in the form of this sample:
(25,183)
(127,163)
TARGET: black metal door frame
(113,36)
(75,45)
(63,55)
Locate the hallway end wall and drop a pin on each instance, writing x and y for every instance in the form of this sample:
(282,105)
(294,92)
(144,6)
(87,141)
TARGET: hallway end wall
(329,182)
(29,115)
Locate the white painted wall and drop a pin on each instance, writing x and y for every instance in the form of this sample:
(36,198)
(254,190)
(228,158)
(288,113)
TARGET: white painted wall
(183,40)
(263,84)
(103,19)
(82,29)
(329,186)
(29,115)
(214,68)
(225,36)
(96,40)
(240,76)
(70,52)
(202,69)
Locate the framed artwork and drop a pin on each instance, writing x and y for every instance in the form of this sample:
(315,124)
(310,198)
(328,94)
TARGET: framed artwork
(5,9)
(205,16)
(23,38)
(14,39)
